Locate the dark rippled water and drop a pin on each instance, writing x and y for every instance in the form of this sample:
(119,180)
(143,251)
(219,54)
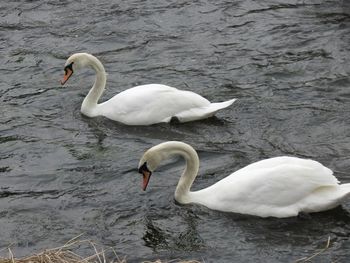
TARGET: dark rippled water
(62,174)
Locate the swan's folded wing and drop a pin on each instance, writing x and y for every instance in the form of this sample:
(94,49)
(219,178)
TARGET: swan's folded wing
(153,103)
(268,191)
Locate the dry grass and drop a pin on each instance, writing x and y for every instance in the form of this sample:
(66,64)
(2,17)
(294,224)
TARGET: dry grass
(65,254)
(308,259)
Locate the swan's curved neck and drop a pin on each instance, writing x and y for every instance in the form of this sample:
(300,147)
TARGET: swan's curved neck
(182,192)
(91,100)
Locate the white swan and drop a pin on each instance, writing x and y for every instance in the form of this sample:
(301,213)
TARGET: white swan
(276,187)
(141,105)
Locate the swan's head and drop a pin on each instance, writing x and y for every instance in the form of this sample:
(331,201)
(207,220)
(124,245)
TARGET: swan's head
(152,158)
(75,62)
(148,163)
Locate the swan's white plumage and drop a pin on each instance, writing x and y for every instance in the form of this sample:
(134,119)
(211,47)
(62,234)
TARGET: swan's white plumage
(145,104)
(153,103)
(278,187)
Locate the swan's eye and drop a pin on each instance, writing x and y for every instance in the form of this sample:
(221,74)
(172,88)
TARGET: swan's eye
(68,72)
(68,68)
(144,168)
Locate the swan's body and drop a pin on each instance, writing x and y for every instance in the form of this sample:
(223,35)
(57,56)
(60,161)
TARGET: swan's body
(278,187)
(141,105)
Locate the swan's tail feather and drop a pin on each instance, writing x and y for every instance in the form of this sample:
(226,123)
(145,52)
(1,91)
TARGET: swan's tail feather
(221,105)
(346,188)
(344,192)
(202,113)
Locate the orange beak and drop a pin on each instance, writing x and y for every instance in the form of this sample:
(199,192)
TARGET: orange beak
(67,75)
(146,177)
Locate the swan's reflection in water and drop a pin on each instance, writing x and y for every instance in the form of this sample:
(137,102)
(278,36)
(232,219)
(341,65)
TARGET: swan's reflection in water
(160,237)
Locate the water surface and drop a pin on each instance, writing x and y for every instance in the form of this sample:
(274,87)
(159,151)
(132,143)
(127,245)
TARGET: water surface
(62,174)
